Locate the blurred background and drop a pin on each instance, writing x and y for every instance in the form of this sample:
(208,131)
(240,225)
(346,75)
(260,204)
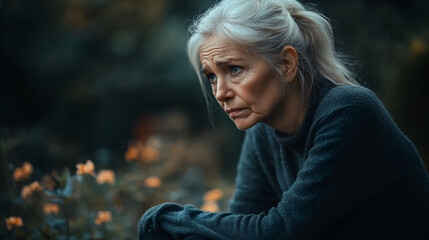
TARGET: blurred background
(109,80)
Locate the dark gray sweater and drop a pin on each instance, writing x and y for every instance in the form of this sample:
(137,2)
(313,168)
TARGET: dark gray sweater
(348,173)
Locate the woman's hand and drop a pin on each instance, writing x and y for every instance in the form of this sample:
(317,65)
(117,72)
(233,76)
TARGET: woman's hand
(148,222)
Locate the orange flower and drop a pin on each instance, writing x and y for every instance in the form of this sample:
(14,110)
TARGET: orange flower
(213,195)
(106,176)
(23,172)
(27,168)
(18,174)
(87,168)
(131,154)
(149,154)
(145,153)
(49,208)
(29,189)
(103,216)
(13,221)
(152,182)
(210,206)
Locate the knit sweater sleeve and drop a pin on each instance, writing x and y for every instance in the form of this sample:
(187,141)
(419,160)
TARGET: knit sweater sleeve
(339,173)
(253,192)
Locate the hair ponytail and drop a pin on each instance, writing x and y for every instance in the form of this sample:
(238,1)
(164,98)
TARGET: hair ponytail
(318,40)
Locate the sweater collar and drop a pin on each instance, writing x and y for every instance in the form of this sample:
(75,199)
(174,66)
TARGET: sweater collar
(298,139)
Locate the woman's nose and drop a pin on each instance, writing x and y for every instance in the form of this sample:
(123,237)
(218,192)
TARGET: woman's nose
(223,91)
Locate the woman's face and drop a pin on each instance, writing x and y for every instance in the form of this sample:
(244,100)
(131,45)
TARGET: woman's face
(245,86)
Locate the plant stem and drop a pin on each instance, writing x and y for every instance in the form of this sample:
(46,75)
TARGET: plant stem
(67,218)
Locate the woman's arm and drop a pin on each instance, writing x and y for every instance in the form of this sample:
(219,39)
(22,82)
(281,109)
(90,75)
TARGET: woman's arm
(253,192)
(343,170)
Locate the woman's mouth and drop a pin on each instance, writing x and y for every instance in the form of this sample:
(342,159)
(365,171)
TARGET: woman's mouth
(235,112)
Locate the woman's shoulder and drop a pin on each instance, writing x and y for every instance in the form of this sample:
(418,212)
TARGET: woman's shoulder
(350,97)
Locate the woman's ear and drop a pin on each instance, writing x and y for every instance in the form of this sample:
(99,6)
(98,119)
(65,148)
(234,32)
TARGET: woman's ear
(289,65)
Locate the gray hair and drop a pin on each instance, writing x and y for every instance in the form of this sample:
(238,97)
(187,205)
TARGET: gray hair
(264,28)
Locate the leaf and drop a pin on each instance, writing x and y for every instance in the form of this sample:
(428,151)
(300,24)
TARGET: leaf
(68,189)
(65,175)
(55,222)
(54,200)
(50,193)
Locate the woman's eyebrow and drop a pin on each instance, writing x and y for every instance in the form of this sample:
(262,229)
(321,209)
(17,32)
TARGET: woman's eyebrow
(204,70)
(223,62)
(218,63)
(229,60)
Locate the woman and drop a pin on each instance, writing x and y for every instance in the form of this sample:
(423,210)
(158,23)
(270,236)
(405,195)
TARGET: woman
(321,159)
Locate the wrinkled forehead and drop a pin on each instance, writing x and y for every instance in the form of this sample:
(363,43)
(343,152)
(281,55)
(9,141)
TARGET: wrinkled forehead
(216,48)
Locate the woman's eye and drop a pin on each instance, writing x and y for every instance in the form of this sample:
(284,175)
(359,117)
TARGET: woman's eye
(211,78)
(235,70)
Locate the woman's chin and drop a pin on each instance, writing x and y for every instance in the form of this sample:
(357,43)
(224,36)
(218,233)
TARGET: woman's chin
(242,124)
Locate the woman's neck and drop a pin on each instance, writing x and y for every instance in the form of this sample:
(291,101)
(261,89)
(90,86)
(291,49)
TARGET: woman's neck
(292,111)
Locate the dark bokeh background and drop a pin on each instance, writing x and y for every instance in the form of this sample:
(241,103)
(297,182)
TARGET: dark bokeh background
(79,76)
(81,79)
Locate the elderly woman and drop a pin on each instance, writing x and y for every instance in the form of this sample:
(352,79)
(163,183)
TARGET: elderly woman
(321,158)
